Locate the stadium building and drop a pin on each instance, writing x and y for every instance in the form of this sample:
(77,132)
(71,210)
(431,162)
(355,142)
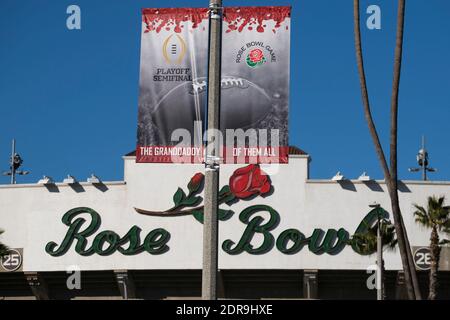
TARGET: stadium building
(282,235)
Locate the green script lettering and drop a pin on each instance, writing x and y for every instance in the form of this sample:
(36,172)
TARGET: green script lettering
(106,242)
(331,242)
(366,224)
(74,233)
(290,241)
(291,235)
(254,226)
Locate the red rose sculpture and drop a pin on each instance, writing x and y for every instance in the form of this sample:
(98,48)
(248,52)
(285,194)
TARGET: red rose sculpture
(256,55)
(244,183)
(195,182)
(248,181)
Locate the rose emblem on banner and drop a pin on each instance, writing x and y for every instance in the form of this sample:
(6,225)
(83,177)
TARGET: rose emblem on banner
(255,58)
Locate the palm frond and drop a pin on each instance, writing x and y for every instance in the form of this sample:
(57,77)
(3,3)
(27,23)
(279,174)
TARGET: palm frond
(366,243)
(446,227)
(3,249)
(440,201)
(421,215)
(422,218)
(436,214)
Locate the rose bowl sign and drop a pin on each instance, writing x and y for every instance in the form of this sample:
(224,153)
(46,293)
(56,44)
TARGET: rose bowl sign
(84,235)
(255,85)
(152,220)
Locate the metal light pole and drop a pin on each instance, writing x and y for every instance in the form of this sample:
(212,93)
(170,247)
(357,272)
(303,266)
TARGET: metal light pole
(422,161)
(212,161)
(13,170)
(380,282)
(14,164)
(380,259)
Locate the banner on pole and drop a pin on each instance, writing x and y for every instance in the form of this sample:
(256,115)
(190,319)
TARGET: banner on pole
(255,85)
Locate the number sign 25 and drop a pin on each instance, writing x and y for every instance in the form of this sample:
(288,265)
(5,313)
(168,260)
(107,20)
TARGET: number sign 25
(12,261)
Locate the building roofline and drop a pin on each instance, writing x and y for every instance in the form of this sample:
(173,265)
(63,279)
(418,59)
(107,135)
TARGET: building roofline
(380,182)
(60,184)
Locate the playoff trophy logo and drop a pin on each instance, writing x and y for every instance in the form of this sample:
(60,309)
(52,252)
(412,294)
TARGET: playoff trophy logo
(174,49)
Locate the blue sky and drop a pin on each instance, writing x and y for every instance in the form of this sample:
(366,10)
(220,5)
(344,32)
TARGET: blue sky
(70,97)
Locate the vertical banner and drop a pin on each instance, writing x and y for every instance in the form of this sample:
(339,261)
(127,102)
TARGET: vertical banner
(255,85)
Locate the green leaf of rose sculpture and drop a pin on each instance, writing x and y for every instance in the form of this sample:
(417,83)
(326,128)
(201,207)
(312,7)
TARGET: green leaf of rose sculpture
(244,184)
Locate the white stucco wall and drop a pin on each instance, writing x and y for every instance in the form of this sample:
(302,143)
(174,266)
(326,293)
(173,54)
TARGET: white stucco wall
(31,217)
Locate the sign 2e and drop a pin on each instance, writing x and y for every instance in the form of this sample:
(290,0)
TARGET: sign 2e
(12,261)
(422,258)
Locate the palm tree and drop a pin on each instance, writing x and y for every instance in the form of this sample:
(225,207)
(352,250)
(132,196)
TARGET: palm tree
(436,217)
(365,243)
(390,173)
(3,249)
